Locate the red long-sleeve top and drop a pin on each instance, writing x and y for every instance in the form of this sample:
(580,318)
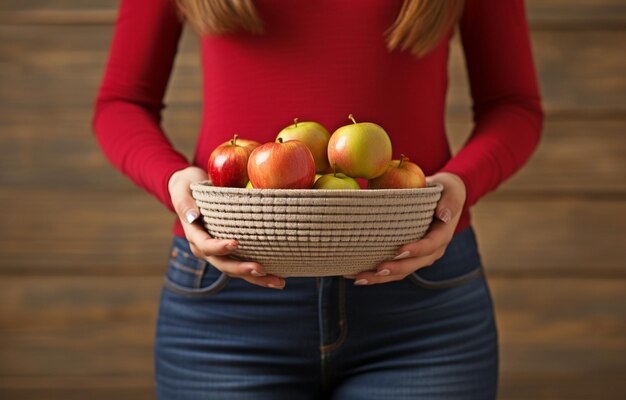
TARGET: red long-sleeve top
(321,60)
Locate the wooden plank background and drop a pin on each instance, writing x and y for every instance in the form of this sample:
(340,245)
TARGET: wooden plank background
(79,288)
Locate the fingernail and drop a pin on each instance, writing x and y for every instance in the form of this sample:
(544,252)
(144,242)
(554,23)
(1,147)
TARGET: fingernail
(401,256)
(254,272)
(231,246)
(191,216)
(383,272)
(271,285)
(445,215)
(361,282)
(349,276)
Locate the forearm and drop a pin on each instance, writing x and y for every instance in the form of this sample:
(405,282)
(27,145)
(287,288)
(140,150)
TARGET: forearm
(503,139)
(134,143)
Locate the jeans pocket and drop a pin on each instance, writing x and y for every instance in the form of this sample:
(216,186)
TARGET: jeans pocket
(424,283)
(190,276)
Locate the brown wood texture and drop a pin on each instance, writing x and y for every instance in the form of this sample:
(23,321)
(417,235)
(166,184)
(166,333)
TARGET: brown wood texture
(82,250)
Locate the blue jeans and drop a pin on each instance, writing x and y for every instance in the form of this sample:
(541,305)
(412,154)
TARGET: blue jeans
(429,336)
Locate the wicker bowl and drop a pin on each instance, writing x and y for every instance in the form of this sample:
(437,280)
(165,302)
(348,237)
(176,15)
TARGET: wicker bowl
(316,232)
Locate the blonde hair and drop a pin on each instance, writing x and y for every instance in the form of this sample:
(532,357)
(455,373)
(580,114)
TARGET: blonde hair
(419,26)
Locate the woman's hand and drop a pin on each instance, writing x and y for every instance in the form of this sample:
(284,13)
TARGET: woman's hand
(432,246)
(202,245)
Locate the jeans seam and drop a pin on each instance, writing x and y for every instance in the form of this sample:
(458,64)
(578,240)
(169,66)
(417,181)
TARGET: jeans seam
(201,271)
(185,268)
(446,283)
(343,326)
(214,288)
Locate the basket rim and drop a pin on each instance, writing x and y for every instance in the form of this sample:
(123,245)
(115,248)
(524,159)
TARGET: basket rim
(206,186)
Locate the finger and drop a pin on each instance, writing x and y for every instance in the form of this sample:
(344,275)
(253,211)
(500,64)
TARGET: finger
(438,235)
(412,257)
(390,271)
(249,271)
(203,245)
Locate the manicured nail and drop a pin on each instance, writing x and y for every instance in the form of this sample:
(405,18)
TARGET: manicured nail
(361,282)
(383,272)
(231,246)
(271,285)
(401,256)
(254,272)
(191,216)
(445,215)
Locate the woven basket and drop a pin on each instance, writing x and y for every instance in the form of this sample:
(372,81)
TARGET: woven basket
(316,232)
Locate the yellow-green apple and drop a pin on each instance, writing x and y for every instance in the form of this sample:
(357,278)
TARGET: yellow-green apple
(250,144)
(360,150)
(282,165)
(228,165)
(336,180)
(400,174)
(314,135)
(249,185)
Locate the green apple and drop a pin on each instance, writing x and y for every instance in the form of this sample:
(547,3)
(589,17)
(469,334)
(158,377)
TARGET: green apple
(314,136)
(249,185)
(317,176)
(360,150)
(336,180)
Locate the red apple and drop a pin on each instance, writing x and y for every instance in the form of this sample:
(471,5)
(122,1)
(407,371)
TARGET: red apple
(228,164)
(282,165)
(401,174)
(250,144)
(314,136)
(360,150)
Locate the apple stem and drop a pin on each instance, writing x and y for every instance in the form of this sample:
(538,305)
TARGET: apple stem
(280,140)
(352,118)
(234,139)
(335,170)
(295,122)
(402,158)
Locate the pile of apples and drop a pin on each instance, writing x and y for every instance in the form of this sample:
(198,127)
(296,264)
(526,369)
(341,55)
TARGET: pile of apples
(304,156)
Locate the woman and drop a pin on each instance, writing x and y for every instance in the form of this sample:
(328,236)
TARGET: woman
(418,326)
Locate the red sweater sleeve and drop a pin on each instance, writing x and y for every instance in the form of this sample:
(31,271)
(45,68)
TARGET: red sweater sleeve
(506,104)
(128,107)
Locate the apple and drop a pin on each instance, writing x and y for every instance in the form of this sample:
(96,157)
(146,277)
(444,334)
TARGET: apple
(227,166)
(314,135)
(282,165)
(336,180)
(250,144)
(249,185)
(400,174)
(317,176)
(360,150)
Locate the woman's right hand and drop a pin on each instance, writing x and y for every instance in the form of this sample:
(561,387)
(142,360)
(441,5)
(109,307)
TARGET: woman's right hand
(202,245)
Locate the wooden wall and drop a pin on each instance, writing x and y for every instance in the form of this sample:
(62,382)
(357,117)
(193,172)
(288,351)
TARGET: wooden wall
(82,250)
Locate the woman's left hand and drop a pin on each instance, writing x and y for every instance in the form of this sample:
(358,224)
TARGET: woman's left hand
(432,246)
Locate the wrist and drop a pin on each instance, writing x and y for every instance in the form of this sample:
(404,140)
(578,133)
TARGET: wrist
(186,176)
(452,183)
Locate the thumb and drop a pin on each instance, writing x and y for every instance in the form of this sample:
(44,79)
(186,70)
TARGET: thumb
(444,213)
(446,205)
(184,204)
(180,193)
